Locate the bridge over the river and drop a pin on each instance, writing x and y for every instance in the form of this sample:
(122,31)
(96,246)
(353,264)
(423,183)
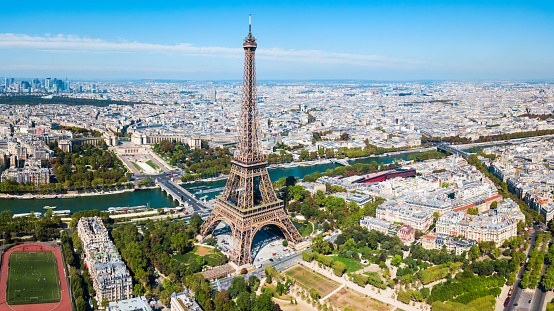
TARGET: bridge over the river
(449,148)
(181,195)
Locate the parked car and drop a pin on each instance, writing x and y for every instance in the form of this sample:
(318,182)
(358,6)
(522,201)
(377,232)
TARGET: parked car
(507,301)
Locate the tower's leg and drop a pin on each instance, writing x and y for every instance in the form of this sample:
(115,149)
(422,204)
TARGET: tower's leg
(242,243)
(291,233)
(211,222)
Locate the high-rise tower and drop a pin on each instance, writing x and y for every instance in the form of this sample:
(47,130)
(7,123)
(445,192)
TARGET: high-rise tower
(248,202)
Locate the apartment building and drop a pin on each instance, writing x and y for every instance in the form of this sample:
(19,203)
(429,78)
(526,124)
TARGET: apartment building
(375,224)
(481,228)
(110,277)
(459,245)
(417,218)
(29,174)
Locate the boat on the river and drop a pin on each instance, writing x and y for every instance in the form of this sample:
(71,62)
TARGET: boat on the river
(126,208)
(67,196)
(49,207)
(44,197)
(26,197)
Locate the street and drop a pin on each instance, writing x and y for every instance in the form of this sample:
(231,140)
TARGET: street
(518,291)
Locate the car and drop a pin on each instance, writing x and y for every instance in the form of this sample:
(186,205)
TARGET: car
(271,259)
(515,304)
(507,301)
(529,300)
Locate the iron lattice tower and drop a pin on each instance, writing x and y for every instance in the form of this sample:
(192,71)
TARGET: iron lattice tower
(248,202)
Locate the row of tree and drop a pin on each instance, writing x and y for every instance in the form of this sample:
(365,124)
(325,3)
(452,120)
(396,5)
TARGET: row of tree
(42,229)
(487,138)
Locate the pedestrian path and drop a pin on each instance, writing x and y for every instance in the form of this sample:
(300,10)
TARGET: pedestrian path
(331,293)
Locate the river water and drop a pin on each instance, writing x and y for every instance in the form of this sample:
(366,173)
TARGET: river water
(299,171)
(158,198)
(155,197)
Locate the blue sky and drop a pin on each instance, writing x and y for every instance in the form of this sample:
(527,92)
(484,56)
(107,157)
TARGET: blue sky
(373,40)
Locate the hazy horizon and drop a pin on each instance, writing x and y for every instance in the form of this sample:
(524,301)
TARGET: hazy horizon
(323,40)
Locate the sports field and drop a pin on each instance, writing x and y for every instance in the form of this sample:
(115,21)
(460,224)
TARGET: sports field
(356,301)
(310,279)
(32,278)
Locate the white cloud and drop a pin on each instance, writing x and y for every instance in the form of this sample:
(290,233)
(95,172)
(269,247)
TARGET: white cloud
(71,43)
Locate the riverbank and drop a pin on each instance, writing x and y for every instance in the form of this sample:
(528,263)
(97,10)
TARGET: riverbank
(152,197)
(69,194)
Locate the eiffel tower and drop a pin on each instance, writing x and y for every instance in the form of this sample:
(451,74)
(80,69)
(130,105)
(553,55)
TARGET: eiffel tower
(248,202)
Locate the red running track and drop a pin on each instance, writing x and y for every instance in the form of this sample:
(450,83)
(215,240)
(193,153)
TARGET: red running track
(63,305)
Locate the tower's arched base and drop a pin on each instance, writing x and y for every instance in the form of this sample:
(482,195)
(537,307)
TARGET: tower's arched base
(245,224)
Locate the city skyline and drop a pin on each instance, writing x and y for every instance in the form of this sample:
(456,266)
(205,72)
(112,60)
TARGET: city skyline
(191,41)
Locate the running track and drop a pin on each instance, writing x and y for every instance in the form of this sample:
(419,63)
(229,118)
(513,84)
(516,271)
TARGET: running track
(63,305)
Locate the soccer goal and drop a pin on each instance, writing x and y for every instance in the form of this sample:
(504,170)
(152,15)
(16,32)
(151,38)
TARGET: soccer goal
(33,299)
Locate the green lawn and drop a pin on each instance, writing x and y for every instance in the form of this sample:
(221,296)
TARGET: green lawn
(351,265)
(310,279)
(211,258)
(152,165)
(136,166)
(32,278)
(185,258)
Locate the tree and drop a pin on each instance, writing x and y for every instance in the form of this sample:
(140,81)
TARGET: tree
(253,282)
(436,215)
(404,296)
(244,302)
(344,136)
(424,292)
(396,260)
(338,268)
(105,303)
(138,290)
(6,215)
(314,294)
(280,288)
(525,279)
(474,252)
(238,285)
(512,278)
(496,253)
(417,296)
(196,222)
(285,243)
(80,304)
(290,181)
(321,246)
(548,279)
(264,303)
(200,260)
(307,256)
(494,205)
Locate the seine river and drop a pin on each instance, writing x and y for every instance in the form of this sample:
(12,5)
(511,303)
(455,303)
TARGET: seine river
(158,198)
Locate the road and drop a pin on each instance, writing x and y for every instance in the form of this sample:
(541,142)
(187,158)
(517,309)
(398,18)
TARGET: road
(540,294)
(518,290)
